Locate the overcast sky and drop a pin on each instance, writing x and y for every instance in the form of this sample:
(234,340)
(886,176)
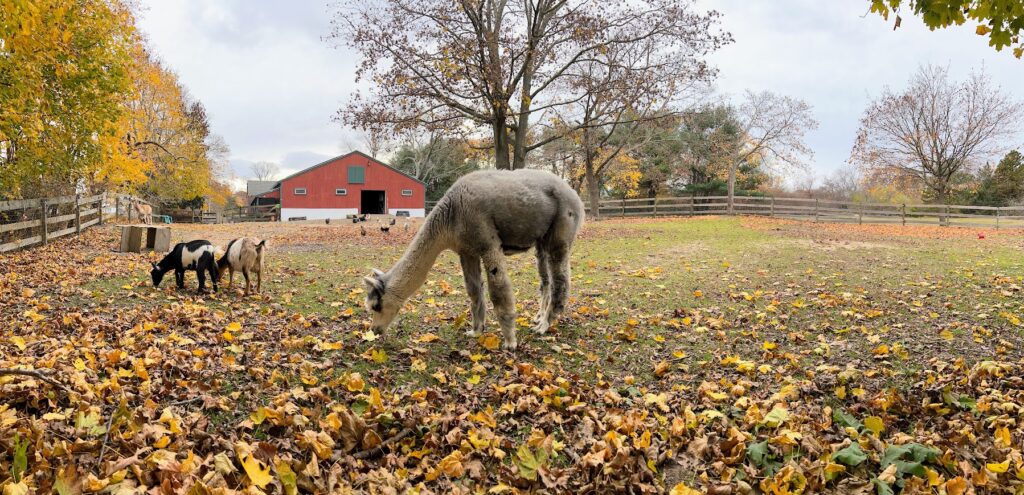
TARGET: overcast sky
(271,82)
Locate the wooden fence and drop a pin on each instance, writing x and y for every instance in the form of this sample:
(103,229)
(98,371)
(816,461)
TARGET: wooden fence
(261,213)
(28,222)
(818,210)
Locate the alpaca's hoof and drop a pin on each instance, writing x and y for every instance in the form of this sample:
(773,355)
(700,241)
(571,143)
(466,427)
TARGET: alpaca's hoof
(541,327)
(510,344)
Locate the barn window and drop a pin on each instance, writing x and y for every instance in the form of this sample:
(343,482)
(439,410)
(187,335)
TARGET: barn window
(406,192)
(300,191)
(356,174)
(341,192)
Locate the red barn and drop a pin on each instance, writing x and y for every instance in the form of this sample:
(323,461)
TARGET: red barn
(351,184)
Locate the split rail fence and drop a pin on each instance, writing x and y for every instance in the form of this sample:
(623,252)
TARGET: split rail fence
(30,222)
(818,210)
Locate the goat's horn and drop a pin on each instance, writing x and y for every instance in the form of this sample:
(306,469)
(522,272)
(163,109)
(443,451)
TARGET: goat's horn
(378,272)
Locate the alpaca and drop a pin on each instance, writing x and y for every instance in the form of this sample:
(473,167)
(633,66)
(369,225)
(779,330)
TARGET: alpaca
(144,211)
(483,217)
(246,255)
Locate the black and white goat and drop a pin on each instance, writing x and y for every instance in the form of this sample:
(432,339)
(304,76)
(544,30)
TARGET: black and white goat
(198,256)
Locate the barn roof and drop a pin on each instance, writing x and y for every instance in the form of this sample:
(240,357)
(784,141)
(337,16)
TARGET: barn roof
(257,187)
(329,160)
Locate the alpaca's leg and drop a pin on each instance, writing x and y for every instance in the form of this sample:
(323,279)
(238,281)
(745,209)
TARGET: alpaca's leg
(259,281)
(544,269)
(475,289)
(561,274)
(502,297)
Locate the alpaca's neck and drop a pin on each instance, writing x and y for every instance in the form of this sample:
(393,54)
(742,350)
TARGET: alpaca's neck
(410,272)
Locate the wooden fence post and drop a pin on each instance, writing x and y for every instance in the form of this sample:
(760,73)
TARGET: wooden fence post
(78,215)
(655,206)
(692,205)
(771,212)
(815,209)
(997,219)
(42,208)
(117,207)
(623,207)
(860,214)
(103,201)
(903,213)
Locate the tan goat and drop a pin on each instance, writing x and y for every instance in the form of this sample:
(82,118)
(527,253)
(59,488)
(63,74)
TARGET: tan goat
(144,211)
(244,254)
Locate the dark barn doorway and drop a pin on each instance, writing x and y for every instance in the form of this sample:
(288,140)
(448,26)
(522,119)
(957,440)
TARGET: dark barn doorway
(372,202)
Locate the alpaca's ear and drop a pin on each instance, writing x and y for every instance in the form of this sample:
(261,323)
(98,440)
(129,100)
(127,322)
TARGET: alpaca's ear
(378,273)
(373,284)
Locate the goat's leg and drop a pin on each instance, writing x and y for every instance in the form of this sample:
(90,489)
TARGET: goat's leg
(179,278)
(561,274)
(544,269)
(231,276)
(201,275)
(259,281)
(245,273)
(475,290)
(214,274)
(504,300)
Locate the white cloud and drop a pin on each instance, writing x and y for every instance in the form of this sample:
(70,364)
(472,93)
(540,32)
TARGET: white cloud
(271,82)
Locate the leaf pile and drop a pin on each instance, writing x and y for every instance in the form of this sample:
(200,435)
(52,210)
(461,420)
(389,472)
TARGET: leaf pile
(173,393)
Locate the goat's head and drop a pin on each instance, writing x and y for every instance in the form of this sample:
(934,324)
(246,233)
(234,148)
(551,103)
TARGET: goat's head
(157,274)
(382,304)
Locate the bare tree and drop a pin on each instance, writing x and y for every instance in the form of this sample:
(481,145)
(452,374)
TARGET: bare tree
(265,170)
(936,128)
(773,127)
(494,64)
(843,184)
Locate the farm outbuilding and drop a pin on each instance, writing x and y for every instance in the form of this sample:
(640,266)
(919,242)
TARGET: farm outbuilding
(350,184)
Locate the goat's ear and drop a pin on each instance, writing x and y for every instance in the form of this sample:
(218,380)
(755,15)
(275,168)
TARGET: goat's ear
(378,273)
(154,265)
(373,284)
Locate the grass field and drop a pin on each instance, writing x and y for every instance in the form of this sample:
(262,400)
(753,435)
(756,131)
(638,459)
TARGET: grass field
(721,354)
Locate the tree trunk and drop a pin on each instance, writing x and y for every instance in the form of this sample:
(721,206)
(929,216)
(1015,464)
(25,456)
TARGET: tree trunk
(593,190)
(501,160)
(732,185)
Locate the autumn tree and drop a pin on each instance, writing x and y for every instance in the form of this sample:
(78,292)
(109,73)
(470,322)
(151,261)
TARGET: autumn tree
(773,129)
(936,129)
(497,65)
(436,160)
(264,170)
(1000,20)
(64,68)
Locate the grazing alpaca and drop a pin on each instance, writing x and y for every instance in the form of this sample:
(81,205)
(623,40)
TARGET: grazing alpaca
(483,217)
(144,211)
(197,256)
(246,255)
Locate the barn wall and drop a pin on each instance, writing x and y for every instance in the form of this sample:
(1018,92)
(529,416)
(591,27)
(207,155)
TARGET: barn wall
(321,183)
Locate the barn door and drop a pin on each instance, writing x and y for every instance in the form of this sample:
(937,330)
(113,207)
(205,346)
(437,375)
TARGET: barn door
(372,203)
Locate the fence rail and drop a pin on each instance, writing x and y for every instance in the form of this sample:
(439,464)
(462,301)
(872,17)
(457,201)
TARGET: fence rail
(819,210)
(28,222)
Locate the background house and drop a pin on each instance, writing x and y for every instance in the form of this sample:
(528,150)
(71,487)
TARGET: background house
(350,184)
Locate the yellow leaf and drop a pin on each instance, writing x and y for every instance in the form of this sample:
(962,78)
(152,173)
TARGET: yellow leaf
(233,326)
(369,336)
(1003,438)
(956,486)
(19,488)
(982,30)
(661,368)
(164,441)
(19,342)
(682,489)
(841,391)
(355,383)
(427,338)
(875,424)
(258,472)
(998,467)
(489,341)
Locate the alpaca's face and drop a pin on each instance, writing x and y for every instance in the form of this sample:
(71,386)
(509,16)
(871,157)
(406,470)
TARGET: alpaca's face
(383,307)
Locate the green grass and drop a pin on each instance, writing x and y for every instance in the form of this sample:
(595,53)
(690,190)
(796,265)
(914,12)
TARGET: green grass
(820,301)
